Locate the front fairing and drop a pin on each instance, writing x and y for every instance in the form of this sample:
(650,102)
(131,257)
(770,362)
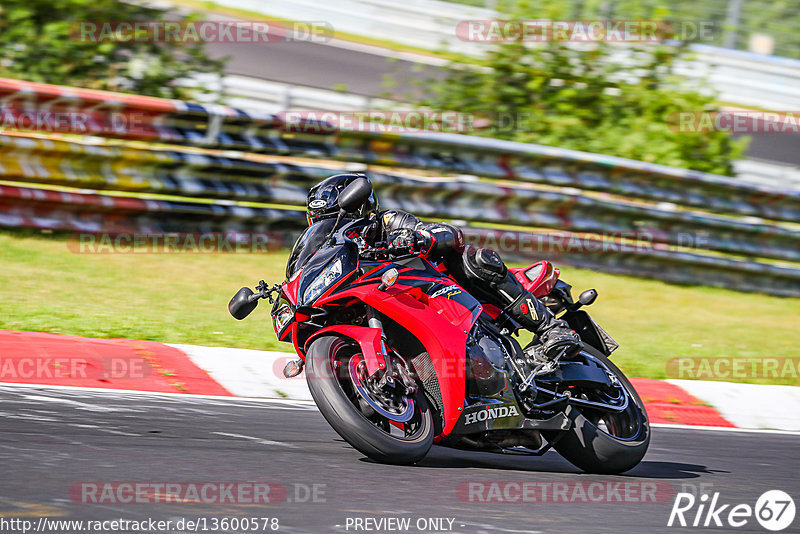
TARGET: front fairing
(327,249)
(418,284)
(436,311)
(307,246)
(431,306)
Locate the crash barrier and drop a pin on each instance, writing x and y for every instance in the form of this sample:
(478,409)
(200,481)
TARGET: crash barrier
(100,223)
(645,261)
(188,172)
(29,207)
(209,186)
(123,116)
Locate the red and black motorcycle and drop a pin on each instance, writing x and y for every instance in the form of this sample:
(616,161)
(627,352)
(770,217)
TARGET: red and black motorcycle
(398,356)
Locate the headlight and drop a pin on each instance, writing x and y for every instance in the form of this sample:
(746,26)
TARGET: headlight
(281,317)
(328,276)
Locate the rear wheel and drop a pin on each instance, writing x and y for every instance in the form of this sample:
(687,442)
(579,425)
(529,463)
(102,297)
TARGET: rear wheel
(384,423)
(601,441)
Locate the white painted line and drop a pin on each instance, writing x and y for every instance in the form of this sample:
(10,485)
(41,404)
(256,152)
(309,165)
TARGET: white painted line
(725,429)
(70,402)
(260,441)
(305,404)
(171,396)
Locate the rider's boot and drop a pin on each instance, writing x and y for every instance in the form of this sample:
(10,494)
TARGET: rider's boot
(555,334)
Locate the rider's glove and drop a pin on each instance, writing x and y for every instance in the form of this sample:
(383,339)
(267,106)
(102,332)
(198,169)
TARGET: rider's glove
(411,241)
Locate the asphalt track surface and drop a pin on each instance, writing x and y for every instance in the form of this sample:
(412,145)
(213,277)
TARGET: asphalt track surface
(51,439)
(322,66)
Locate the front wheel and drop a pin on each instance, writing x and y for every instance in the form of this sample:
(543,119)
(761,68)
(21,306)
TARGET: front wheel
(384,424)
(601,441)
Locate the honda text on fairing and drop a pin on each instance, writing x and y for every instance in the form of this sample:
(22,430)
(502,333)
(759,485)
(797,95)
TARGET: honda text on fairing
(399,356)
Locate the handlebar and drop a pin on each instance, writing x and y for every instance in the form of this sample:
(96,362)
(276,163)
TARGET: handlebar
(265,292)
(385,251)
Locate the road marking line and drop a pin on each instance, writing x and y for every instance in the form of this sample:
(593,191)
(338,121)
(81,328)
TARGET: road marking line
(186,396)
(302,404)
(261,441)
(79,405)
(726,429)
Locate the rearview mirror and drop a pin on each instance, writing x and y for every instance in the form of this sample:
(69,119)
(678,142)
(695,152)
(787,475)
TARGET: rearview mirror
(587,297)
(242,303)
(355,194)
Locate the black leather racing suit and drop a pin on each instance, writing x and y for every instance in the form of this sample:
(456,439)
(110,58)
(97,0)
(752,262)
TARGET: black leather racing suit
(480,271)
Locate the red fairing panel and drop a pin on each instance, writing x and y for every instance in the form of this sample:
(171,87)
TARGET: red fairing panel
(539,278)
(291,288)
(369,339)
(440,324)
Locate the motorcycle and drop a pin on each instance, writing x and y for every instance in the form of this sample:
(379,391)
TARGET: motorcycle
(398,356)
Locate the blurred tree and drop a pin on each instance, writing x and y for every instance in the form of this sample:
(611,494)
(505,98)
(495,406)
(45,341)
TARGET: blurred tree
(40,41)
(777,19)
(586,97)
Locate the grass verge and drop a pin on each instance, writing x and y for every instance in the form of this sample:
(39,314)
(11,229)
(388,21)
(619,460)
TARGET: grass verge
(182,298)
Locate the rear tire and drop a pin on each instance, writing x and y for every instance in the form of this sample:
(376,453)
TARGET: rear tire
(348,421)
(595,450)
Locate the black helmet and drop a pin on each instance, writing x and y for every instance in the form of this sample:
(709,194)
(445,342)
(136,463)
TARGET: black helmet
(322,198)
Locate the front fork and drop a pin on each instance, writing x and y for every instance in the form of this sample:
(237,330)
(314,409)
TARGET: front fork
(396,367)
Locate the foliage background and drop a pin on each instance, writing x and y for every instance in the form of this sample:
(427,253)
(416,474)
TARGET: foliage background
(38,43)
(588,97)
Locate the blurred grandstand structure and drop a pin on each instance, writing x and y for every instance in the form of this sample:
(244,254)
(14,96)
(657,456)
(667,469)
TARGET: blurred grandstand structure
(758,26)
(174,166)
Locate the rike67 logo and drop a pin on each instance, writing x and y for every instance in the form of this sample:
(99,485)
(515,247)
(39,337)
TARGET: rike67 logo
(774,510)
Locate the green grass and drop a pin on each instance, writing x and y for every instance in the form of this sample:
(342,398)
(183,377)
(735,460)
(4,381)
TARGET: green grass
(182,298)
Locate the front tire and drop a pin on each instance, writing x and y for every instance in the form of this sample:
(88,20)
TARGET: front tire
(335,394)
(604,446)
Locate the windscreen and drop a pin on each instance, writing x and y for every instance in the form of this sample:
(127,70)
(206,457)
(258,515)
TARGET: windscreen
(307,245)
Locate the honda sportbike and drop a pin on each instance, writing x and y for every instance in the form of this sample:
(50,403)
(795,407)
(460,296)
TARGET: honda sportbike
(398,356)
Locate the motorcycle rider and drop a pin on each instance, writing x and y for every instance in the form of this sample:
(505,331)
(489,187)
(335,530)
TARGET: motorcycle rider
(480,271)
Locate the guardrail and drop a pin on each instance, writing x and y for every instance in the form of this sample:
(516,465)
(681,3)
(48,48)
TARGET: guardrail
(187,172)
(223,127)
(87,214)
(274,97)
(209,184)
